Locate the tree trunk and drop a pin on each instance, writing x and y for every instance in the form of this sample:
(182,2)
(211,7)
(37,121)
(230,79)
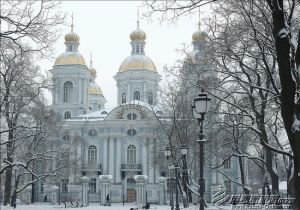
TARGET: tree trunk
(14,196)
(288,91)
(246,191)
(8,172)
(7,191)
(269,159)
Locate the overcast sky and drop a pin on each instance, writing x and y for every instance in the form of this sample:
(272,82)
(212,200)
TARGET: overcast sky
(104,28)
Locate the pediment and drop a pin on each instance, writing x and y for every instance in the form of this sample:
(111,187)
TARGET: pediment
(129,111)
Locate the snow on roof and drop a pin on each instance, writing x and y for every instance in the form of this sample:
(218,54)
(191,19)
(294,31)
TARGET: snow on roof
(101,114)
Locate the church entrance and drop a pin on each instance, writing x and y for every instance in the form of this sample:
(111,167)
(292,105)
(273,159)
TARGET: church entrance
(131,195)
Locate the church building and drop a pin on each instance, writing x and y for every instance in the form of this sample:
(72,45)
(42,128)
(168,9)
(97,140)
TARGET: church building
(118,142)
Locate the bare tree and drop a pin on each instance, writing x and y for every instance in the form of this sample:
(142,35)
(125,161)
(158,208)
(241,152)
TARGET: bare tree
(31,22)
(280,16)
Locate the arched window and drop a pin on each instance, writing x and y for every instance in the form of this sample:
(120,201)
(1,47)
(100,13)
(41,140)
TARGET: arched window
(92,132)
(67,115)
(92,154)
(137,95)
(150,98)
(92,185)
(131,132)
(131,116)
(68,89)
(123,98)
(131,154)
(104,112)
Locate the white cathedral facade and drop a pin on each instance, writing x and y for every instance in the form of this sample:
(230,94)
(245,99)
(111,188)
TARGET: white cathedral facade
(118,142)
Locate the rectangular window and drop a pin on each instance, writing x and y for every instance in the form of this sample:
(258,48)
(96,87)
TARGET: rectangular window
(227,164)
(64,187)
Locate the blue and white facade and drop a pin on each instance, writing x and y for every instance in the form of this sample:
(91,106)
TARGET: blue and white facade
(118,142)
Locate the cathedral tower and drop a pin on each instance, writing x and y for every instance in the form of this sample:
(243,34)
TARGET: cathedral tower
(71,80)
(137,78)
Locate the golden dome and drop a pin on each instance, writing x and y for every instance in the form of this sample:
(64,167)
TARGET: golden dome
(137,62)
(93,71)
(138,34)
(95,90)
(68,58)
(199,35)
(72,37)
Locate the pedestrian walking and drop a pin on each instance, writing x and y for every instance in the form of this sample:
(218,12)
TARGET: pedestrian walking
(108,200)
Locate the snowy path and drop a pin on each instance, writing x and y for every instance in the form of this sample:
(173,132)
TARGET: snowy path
(96,207)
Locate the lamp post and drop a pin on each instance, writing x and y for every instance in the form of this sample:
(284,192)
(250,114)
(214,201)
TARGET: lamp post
(200,108)
(183,152)
(176,186)
(167,153)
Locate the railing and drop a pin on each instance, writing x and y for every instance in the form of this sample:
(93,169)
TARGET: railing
(131,167)
(91,167)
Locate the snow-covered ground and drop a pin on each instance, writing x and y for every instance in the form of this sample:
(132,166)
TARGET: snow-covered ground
(97,207)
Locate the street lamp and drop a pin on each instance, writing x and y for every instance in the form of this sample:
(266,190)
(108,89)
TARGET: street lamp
(175,165)
(167,153)
(183,152)
(200,108)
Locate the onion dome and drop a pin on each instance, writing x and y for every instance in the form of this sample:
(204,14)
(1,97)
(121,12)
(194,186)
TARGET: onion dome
(199,35)
(137,62)
(92,70)
(71,55)
(137,35)
(95,89)
(68,58)
(72,37)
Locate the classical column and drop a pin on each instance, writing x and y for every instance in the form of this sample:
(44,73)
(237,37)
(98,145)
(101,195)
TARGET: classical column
(118,162)
(54,194)
(111,156)
(128,94)
(144,157)
(85,188)
(79,91)
(151,164)
(105,157)
(141,181)
(145,92)
(162,190)
(105,184)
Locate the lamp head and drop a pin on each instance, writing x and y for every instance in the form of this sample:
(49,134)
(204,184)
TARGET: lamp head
(167,151)
(183,149)
(201,105)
